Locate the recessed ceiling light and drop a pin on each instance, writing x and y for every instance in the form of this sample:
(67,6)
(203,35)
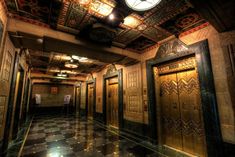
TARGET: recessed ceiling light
(80,59)
(84,2)
(62,75)
(102,7)
(142,5)
(142,27)
(131,21)
(62,57)
(111,17)
(40,40)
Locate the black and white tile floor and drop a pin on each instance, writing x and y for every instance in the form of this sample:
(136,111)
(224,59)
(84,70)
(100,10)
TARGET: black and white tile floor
(63,136)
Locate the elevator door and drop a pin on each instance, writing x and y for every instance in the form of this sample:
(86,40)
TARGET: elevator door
(90,100)
(78,98)
(112,104)
(182,126)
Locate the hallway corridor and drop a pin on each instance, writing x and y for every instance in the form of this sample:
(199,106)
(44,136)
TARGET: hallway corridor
(117,78)
(65,136)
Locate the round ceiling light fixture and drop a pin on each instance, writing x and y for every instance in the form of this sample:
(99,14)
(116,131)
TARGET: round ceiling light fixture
(111,17)
(84,2)
(71,64)
(142,5)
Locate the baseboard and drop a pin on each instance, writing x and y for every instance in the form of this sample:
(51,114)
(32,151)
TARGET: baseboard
(229,149)
(82,112)
(137,129)
(53,110)
(1,147)
(99,117)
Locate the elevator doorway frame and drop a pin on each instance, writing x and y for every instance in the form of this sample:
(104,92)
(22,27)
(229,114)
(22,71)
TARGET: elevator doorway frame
(77,99)
(93,81)
(18,104)
(119,75)
(208,96)
(9,113)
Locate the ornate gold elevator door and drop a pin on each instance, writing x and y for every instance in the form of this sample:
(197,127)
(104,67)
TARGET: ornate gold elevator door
(78,98)
(90,100)
(191,115)
(112,104)
(170,111)
(182,124)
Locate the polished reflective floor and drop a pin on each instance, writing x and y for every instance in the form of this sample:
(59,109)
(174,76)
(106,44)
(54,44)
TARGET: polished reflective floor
(68,136)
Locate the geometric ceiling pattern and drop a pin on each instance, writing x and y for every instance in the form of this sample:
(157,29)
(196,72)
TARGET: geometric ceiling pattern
(53,63)
(136,31)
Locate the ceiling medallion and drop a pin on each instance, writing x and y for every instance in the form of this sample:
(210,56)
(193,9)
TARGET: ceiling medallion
(142,5)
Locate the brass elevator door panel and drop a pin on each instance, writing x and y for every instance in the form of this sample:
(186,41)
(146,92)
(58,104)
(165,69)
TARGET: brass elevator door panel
(182,124)
(170,111)
(112,105)
(78,99)
(90,100)
(191,114)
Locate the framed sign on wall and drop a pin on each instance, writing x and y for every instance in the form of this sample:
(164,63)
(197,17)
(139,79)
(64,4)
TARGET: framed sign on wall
(54,90)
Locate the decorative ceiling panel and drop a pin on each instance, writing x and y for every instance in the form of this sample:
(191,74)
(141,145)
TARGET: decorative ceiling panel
(127,36)
(54,63)
(140,44)
(183,22)
(44,11)
(170,17)
(167,10)
(156,34)
(75,15)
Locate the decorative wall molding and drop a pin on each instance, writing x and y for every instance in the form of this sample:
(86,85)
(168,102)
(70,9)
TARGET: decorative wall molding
(111,69)
(194,29)
(231,52)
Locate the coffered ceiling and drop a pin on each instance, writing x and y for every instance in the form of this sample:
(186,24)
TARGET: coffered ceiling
(54,63)
(136,31)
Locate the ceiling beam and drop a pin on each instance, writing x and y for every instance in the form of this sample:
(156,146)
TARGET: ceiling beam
(21,26)
(47,76)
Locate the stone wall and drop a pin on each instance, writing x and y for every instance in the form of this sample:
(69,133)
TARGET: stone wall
(5,80)
(222,74)
(49,99)
(3,19)
(221,47)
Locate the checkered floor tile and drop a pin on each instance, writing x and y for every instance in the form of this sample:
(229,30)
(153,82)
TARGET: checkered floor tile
(63,136)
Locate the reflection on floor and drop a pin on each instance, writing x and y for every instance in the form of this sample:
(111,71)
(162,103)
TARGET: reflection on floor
(61,136)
